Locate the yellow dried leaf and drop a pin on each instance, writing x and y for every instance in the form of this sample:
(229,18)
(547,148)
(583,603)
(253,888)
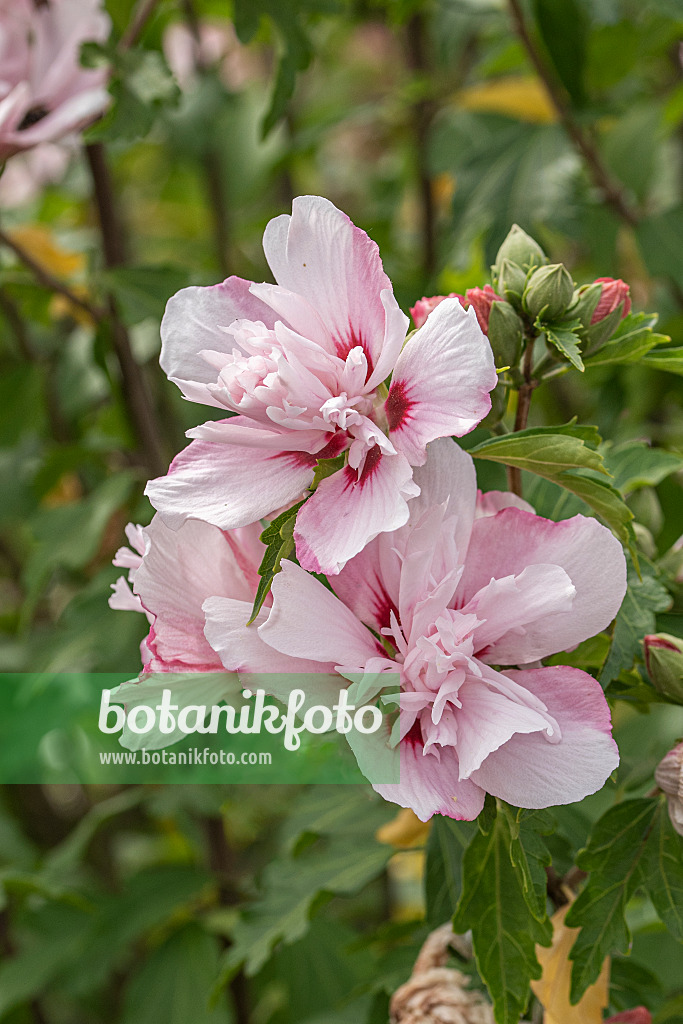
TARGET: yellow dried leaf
(40,243)
(520,96)
(552,990)
(405,830)
(60,306)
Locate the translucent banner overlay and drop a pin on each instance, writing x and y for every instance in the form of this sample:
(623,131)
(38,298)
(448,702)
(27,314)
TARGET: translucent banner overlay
(106,729)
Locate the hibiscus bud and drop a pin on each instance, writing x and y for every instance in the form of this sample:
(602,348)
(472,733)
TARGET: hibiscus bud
(548,292)
(511,281)
(669,778)
(521,249)
(482,299)
(664,661)
(639,1015)
(615,292)
(505,333)
(423,307)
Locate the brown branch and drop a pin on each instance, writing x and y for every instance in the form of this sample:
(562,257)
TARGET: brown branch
(143,12)
(48,280)
(221,862)
(212,160)
(423,113)
(10,311)
(135,389)
(612,191)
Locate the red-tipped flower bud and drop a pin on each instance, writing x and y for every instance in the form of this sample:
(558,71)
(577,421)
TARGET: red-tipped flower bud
(423,307)
(639,1015)
(482,299)
(614,291)
(664,662)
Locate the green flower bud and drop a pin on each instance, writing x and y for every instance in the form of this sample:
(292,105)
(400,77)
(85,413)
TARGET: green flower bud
(548,292)
(521,249)
(505,334)
(511,282)
(664,661)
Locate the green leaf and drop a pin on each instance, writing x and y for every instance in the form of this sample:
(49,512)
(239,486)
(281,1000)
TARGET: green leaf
(645,595)
(503,879)
(630,342)
(566,340)
(635,464)
(668,359)
(563,29)
(633,846)
(565,456)
(448,840)
(279,540)
(612,857)
(662,871)
(329,848)
(174,983)
(659,239)
(143,292)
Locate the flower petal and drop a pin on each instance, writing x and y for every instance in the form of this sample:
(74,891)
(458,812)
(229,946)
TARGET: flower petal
(320,254)
(195,321)
(241,648)
(431,785)
(487,720)
(505,544)
(228,485)
(441,382)
(530,771)
(349,509)
(181,568)
(308,621)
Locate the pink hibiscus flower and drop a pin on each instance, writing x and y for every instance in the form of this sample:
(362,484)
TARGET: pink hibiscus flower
(303,363)
(173,573)
(45,93)
(454,595)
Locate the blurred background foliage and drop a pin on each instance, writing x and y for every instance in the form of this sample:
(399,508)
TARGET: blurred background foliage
(435,126)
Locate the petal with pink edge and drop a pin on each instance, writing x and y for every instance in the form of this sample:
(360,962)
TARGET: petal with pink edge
(487,720)
(194,321)
(432,785)
(179,571)
(242,649)
(370,582)
(441,383)
(505,544)
(320,254)
(308,621)
(228,485)
(489,503)
(530,771)
(349,509)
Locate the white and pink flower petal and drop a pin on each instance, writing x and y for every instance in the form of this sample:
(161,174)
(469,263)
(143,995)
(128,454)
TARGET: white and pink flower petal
(440,386)
(531,771)
(350,508)
(505,544)
(196,320)
(430,783)
(229,485)
(319,253)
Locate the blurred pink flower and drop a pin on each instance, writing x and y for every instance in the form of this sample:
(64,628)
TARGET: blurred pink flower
(303,363)
(44,91)
(28,173)
(614,291)
(218,46)
(481,299)
(442,601)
